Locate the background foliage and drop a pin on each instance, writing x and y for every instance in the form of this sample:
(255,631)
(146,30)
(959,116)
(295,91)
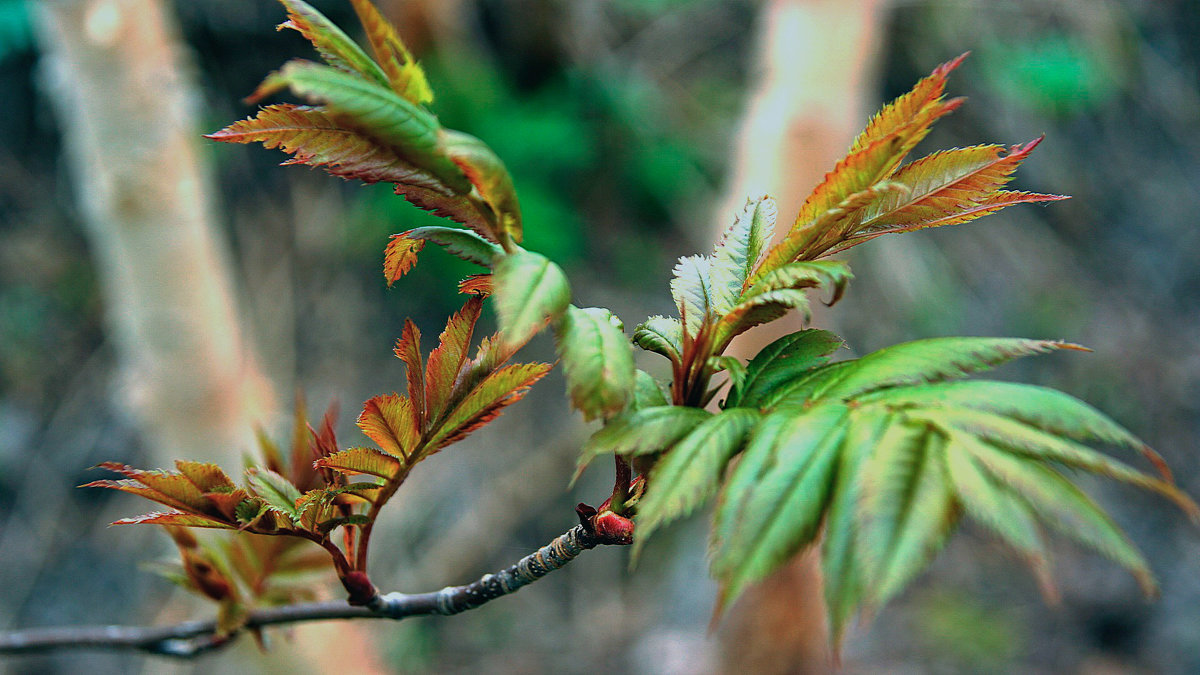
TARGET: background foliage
(633,126)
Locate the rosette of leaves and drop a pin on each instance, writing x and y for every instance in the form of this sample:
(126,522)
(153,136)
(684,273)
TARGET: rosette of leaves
(877,458)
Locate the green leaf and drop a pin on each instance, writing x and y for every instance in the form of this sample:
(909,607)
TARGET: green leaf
(367,461)
(1026,440)
(646,392)
(529,290)
(642,432)
(906,509)
(1061,505)
(597,361)
(662,335)
(840,565)
(334,46)
(691,471)
(1039,407)
(462,244)
(774,500)
(930,360)
(277,491)
(737,252)
(328,526)
(781,362)
(490,177)
(759,309)
(413,132)
(999,510)
(692,290)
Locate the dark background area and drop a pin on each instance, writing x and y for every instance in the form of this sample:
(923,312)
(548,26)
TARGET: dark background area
(618,144)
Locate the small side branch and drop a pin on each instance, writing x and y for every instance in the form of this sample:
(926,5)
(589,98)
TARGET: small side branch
(192,638)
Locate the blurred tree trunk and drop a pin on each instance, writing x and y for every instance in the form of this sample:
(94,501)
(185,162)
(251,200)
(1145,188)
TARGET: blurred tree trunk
(125,109)
(115,70)
(816,63)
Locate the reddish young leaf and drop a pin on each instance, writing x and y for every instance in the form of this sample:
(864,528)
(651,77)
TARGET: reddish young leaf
(391,421)
(907,107)
(172,518)
(400,256)
(445,362)
(486,401)
(206,477)
(363,460)
(463,209)
(476,284)
(164,487)
(408,350)
(315,137)
(945,184)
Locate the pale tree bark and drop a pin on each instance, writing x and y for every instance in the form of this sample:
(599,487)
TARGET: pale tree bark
(112,69)
(816,63)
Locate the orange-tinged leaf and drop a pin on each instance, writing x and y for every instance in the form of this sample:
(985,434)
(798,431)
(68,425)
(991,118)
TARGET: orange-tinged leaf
(226,503)
(901,111)
(391,421)
(315,137)
(476,284)
(400,256)
(403,73)
(946,183)
(408,350)
(815,239)
(172,518)
(485,402)
(878,151)
(363,460)
(173,487)
(205,476)
(445,362)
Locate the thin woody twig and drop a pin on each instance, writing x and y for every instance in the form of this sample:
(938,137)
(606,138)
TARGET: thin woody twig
(192,638)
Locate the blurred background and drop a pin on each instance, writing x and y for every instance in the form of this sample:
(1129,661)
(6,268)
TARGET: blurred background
(161,295)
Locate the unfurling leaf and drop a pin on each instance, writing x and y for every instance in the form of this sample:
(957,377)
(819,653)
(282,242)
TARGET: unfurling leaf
(597,361)
(277,491)
(662,335)
(529,291)
(447,359)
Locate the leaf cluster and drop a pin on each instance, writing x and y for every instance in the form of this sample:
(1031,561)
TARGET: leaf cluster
(878,457)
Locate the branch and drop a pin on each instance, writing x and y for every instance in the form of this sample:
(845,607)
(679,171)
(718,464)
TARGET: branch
(192,638)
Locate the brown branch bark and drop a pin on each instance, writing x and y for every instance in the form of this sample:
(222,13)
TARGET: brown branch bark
(192,638)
